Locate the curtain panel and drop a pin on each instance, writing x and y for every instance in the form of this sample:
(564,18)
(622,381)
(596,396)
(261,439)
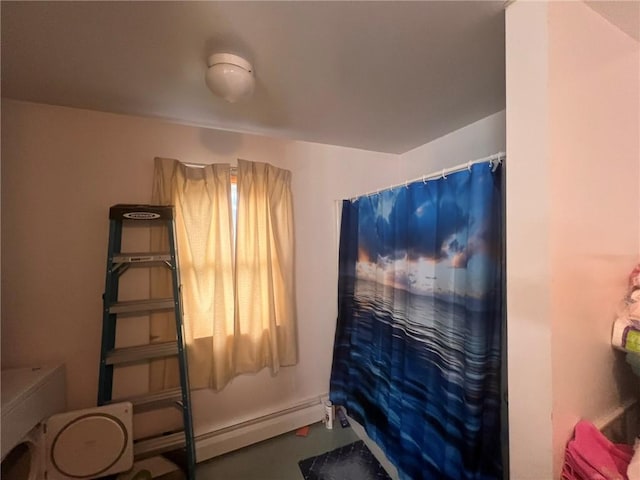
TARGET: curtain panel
(237,289)
(417,353)
(265,327)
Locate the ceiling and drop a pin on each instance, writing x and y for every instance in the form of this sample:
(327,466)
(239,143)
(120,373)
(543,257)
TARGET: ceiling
(623,14)
(382,76)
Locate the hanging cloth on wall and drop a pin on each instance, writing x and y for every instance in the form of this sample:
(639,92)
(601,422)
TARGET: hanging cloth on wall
(417,354)
(239,303)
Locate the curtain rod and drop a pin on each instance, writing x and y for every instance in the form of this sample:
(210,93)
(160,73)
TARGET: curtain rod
(203,165)
(493,160)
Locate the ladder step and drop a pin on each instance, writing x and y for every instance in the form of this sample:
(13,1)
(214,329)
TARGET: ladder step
(141,352)
(147,305)
(151,401)
(141,257)
(155,446)
(177,441)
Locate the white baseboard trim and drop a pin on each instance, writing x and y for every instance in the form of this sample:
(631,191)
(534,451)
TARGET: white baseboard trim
(616,414)
(224,440)
(622,424)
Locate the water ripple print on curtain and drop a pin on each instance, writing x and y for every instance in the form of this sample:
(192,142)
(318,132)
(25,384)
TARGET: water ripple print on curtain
(417,353)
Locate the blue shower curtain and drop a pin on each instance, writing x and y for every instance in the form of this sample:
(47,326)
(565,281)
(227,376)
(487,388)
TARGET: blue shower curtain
(417,356)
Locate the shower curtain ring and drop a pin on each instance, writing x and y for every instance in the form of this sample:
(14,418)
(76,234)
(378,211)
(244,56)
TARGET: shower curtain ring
(443,175)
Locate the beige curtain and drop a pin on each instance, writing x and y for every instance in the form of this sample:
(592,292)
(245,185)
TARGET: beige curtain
(239,314)
(265,326)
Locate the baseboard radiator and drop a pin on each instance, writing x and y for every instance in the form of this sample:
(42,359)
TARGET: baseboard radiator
(224,440)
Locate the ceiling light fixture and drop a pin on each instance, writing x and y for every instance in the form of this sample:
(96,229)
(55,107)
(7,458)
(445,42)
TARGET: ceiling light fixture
(230,77)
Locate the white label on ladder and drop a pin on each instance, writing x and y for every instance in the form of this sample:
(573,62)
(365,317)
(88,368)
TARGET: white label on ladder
(141,215)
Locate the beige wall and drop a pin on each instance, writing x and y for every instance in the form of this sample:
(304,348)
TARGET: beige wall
(475,141)
(62,168)
(528,249)
(594,84)
(573,81)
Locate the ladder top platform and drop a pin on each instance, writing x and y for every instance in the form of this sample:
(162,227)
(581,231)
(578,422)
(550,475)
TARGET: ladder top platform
(124,211)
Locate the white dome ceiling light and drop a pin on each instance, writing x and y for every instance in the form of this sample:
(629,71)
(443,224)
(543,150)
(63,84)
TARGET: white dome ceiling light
(230,77)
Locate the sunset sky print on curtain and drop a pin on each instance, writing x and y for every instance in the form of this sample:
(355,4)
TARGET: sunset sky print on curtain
(417,353)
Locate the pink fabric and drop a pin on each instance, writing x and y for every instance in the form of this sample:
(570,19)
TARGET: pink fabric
(591,456)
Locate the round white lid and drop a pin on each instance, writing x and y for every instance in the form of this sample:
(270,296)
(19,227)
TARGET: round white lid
(89,445)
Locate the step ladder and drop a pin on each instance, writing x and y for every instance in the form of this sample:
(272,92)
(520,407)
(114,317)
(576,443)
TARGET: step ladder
(118,263)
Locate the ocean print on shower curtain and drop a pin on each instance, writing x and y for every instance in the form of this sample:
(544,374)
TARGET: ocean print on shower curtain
(417,354)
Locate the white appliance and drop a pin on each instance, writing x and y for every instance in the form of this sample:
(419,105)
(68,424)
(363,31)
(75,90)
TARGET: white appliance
(81,444)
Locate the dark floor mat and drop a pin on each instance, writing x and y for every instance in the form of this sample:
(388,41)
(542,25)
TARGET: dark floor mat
(351,462)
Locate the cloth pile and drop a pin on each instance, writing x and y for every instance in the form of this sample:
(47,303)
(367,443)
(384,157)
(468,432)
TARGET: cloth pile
(591,456)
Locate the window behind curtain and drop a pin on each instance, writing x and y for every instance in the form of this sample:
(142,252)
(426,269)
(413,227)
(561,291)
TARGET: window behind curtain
(238,319)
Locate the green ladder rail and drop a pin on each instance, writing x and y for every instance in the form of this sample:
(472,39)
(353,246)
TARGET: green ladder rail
(118,263)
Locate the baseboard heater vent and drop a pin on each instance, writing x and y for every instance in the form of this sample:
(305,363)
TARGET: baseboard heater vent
(224,440)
